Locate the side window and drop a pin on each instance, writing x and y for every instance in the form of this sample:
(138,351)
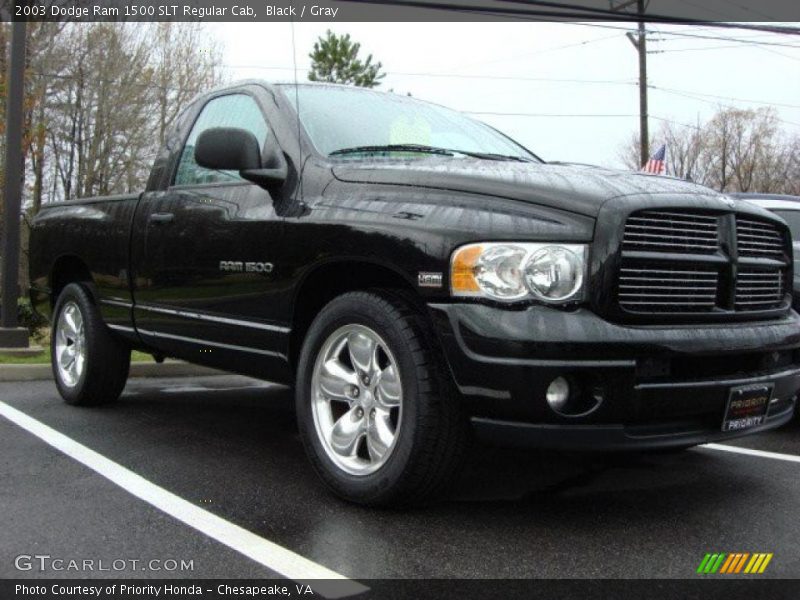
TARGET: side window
(235,110)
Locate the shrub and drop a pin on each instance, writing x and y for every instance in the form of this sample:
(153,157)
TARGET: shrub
(30,318)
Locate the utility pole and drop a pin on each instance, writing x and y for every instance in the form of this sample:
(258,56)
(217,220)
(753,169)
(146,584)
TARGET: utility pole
(11,335)
(641,46)
(640,43)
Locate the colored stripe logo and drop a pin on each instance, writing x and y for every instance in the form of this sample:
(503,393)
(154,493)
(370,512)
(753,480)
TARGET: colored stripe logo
(734,563)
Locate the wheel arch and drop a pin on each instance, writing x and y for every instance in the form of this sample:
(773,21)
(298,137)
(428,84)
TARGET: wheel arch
(334,278)
(67,269)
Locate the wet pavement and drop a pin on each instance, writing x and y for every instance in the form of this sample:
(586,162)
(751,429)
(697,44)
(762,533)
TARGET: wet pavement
(229,445)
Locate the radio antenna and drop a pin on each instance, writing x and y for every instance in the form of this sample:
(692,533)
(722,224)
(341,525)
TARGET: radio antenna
(297,111)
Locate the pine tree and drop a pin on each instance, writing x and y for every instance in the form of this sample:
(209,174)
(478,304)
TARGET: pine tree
(335,60)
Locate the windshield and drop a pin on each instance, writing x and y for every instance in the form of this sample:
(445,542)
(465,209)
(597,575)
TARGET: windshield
(342,118)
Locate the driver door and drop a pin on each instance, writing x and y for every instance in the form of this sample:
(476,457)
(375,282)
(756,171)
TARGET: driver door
(205,280)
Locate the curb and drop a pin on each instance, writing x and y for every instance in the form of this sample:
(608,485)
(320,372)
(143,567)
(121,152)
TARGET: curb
(169,368)
(22,352)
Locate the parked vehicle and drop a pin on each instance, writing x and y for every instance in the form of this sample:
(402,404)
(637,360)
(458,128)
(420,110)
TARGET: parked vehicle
(788,208)
(417,275)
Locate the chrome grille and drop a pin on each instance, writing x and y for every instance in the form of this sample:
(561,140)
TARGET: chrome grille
(760,289)
(667,231)
(662,289)
(758,239)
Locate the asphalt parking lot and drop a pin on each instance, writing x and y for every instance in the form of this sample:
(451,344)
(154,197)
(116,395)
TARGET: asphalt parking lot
(229,446)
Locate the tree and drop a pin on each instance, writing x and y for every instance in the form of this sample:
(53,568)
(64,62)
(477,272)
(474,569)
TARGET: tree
(98,100)
(735,151)
(103,96)
(186,62)
(335,60)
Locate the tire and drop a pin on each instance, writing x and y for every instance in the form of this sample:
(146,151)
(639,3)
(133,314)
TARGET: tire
(423,414)
(100,362)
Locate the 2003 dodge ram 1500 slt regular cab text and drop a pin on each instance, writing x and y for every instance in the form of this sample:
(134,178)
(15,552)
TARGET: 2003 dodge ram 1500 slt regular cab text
(418,277)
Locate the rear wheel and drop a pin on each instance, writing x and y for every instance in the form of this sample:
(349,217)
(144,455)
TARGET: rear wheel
(90,365)
(378,418)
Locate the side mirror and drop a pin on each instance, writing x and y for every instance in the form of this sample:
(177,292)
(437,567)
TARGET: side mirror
(227,149)
(234,149)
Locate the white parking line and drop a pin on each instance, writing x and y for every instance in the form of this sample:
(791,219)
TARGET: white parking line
(271,555)
(751,452)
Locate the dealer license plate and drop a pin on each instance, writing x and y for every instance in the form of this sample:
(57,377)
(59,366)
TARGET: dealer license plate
(747,406)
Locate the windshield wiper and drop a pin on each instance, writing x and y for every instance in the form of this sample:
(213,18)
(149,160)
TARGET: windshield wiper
(393,148)
(492,156)
(423,149)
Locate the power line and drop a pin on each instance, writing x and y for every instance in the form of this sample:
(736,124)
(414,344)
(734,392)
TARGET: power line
(701,95)
(587,115)
(584,115)
(695,49)
(771,51)
(720,38)
(543,115)
(741,42)
(564,47)
(512,57)
(665,120)
(506,58)
(750,34)
(464,76)
(541,51)
(714,100)
(683,34)
(719,104)
(685,93)
(511,78)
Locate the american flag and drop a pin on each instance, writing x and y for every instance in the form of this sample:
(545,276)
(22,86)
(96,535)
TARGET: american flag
(657,163)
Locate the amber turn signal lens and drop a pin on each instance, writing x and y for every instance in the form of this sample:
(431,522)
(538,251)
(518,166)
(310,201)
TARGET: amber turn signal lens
(462,272)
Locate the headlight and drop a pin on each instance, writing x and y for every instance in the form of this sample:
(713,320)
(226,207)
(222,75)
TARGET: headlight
(509,272)
(554,273)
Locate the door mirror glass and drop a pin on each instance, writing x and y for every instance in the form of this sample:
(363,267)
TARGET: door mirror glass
(227,149)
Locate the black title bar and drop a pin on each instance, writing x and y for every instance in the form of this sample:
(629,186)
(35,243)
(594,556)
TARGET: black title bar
(699,588)
(663,11)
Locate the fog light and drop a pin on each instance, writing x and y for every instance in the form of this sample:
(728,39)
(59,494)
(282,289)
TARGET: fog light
(558,394)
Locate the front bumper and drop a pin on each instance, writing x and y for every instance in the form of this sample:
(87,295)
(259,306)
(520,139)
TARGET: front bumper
(660,386)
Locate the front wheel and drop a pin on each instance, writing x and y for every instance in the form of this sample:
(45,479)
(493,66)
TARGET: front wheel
(90,365)
(375,410)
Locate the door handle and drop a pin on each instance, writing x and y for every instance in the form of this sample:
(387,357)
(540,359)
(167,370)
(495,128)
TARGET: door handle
(162,217)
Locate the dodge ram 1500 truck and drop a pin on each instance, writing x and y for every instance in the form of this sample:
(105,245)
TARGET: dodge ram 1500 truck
(419,277)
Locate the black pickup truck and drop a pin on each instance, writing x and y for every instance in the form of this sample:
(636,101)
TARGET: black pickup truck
(418,276)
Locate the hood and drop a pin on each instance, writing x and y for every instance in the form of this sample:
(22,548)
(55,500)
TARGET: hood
(579,189)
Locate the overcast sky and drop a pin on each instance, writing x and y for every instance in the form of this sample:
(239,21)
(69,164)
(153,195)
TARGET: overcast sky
(548,69)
